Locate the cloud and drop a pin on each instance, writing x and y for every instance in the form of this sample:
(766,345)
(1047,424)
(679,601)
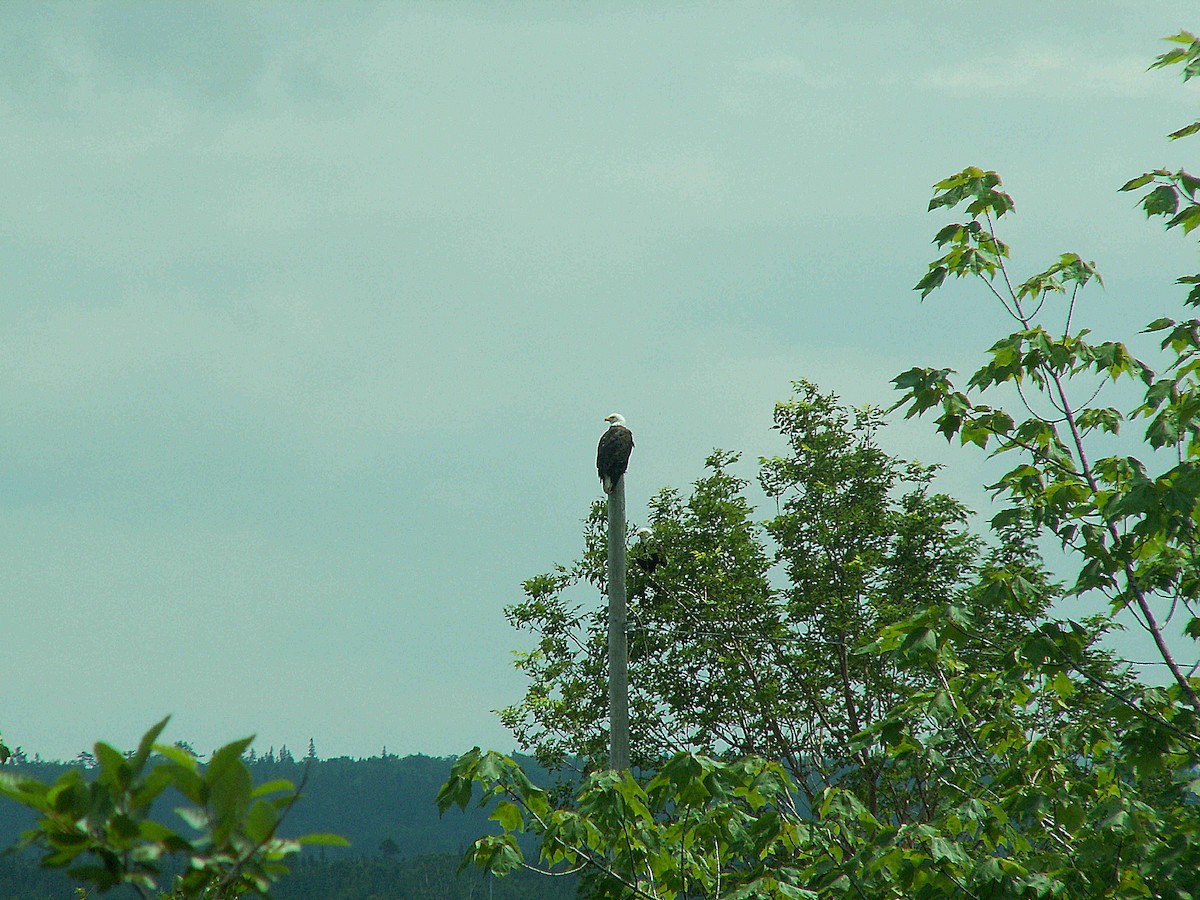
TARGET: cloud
(783,70)
(1038,71)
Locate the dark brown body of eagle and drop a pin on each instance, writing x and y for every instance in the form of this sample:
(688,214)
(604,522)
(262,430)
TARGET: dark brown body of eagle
(612,456)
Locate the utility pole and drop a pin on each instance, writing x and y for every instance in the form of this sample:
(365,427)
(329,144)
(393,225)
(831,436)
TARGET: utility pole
(618,647)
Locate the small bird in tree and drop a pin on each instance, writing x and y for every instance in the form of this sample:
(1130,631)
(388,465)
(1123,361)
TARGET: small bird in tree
(612,456)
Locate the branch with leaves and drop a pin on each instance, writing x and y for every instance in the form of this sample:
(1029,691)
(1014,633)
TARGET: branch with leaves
(1134,529)
(102,831)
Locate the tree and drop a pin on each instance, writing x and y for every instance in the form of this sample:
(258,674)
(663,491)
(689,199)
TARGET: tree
(793,688)
(1022,761)
(187,748)
(102,833)
(725,663)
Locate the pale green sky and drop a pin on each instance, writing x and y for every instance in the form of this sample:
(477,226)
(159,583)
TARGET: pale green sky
(312,312)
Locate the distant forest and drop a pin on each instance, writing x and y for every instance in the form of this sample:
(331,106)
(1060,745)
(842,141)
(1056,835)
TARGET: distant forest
(400,847)
(434,877)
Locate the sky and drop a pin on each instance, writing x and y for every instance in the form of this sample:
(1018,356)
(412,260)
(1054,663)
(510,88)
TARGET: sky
(311,313)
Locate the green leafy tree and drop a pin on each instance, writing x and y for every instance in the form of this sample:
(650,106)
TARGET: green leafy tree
(782,722)
(723,835)
(102,833)
(746,633)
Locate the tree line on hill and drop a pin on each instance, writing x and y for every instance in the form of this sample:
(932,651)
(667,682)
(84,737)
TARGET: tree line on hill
(434,876)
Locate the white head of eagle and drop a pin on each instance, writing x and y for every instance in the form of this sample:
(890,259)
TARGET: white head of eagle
(612,456)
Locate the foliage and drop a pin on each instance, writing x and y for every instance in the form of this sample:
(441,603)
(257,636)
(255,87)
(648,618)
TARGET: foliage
(1009,757)
(102,832)
(723,827)
(745,633)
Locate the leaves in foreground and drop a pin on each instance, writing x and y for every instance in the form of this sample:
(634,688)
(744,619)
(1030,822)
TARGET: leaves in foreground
(101,831)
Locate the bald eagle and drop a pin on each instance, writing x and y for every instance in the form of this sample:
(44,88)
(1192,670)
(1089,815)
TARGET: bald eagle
(612,456)
(646,552)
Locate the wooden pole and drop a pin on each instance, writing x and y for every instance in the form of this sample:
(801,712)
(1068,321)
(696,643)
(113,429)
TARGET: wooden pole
(618,648)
